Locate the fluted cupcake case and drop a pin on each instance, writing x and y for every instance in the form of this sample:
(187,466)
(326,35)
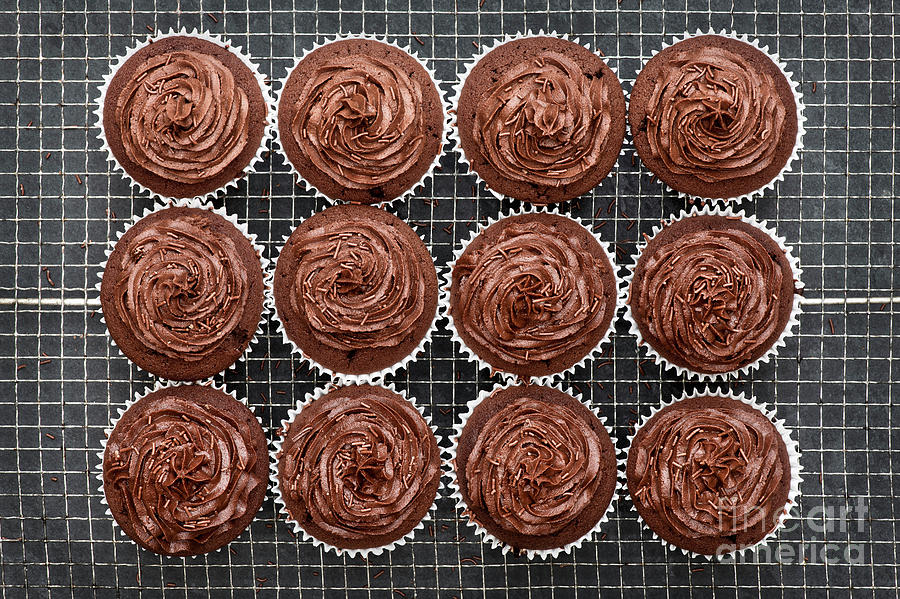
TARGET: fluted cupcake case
(469,65)
(339,377)
(268,131)
(487,537)
(793,451)
(793,320)
(798,99)
(470,355)
(276,485)
(199,204)
(445,106)
(158,386)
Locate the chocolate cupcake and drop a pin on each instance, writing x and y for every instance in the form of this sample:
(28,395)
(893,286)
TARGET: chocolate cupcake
(362,120)
(539,118)
(356,469)
(714,116)
(532,295)
(713,293)
(185,469)
(184,115)
(182,291)
(712,474)
(355,291)
(535,470)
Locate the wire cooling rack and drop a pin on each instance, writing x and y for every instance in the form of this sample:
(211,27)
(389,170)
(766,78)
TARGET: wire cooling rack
(60,380)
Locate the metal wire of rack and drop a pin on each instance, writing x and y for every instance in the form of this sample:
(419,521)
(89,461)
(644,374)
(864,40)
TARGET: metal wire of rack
(60,379)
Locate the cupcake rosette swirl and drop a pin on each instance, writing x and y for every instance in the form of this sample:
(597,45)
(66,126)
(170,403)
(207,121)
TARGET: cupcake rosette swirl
(793,451)
(769,354)
(200,204)
(280,506)
(158,386)
(487,537)
(798,99)
(445,107)
(469,65)
(470,355)
(268,131)
(342,378)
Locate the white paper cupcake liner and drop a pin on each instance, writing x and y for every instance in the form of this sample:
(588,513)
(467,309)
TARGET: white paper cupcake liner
(157,386)
(341,377)
(487,537)
(447,282)
(445,106)
(484,49)
(798,99)
(793,320)
(281,507)
(210,37)
(793,451)
(199,204)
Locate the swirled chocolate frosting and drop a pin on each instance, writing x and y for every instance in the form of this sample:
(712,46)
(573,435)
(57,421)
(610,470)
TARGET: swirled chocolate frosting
(534,296)
(183,285)
(540,119)
(709,470)
(544,121)
(358,467)
(713,115)
(535,467)
(359,120)
(532,468)
(356,286)
(712,299)
(183,116)
(184,470)
(355,289)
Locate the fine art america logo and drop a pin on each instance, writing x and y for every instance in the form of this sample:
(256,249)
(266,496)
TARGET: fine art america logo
(825,526)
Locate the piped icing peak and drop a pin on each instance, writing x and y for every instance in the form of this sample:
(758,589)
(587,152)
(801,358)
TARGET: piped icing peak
(358,467)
